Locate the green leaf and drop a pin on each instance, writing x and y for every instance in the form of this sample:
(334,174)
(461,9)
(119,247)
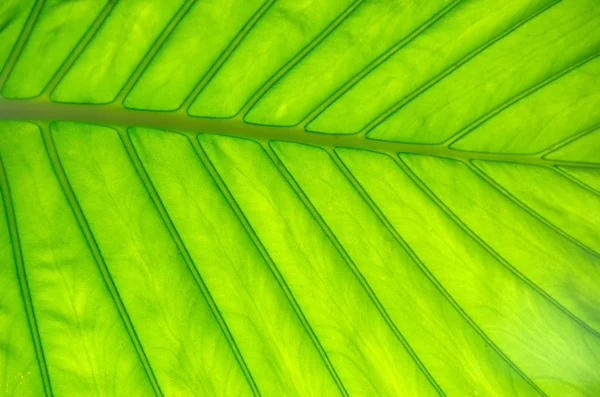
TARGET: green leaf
(299,198)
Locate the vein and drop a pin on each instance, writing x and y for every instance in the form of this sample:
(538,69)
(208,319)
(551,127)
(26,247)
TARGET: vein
(292,62)
(81,45)
(481,173)
(420,90)
(85,229)
(136,162)
(564,142)
(373,297)
(390,228)
(75,313)
(177,18)
(22,275)
(267,258)
(376,62)
(486,117)
(575,180)
(20,43)
(43,110)
(225,55)
(486,247)
(70,297)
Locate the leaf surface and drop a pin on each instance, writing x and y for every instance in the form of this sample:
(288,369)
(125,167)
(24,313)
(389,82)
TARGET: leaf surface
(315,198)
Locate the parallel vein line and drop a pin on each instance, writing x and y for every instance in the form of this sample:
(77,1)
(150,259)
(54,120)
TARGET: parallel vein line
(267,258)
(164,35)
(372,296)
(66,287)
(76,52)
(420,90)
(20,43)
(489,115)
(298,57)
(140,170)
(91,241)
(22,275)
(487,248)
(390,228)
(377,61)
(564,142)
(488,179)
(575,180)
(225,55)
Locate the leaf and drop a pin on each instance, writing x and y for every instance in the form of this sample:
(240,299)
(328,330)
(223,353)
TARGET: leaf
(303,198)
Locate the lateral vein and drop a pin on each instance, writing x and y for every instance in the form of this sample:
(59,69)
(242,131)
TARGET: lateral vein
(78,49)
(22,275)
(272,266)
(164,35)
(425,270)
(140,170)
(350,263)
(225,55)
(489,115)
(89,237)
(292,62)
(575,180)
(487,248)
(18,47)
(497,186)
(378,61)
(424,87)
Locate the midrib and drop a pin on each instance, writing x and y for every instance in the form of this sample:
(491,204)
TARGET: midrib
(179,121)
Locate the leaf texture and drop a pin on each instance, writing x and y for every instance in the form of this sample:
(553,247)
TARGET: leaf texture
(299,198)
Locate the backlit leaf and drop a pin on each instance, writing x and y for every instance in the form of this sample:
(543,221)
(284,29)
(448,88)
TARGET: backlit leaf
(299,198)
